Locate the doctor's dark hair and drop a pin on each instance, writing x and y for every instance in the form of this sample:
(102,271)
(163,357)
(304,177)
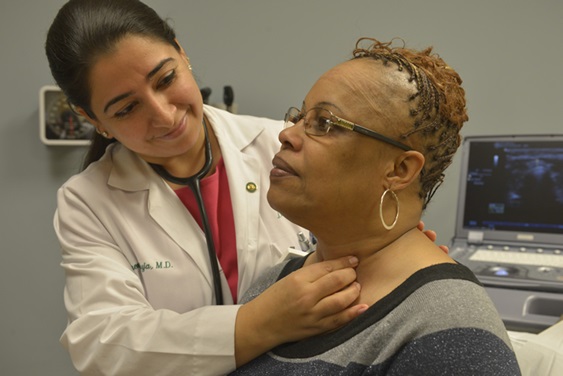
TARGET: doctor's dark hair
(437,108)
(84,30)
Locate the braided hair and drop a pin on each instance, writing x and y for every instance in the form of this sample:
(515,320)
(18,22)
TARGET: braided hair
(437,108)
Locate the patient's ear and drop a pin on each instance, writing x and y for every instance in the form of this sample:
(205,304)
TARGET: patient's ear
(406,169)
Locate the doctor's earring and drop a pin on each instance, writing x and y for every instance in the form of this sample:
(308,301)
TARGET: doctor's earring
(104,134)
(388,227)
(189,64)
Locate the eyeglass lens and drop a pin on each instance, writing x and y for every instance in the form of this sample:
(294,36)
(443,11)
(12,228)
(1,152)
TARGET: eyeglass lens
(317,120)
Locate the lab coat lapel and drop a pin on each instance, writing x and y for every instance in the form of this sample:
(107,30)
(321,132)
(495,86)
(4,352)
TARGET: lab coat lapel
(245,181)
(130,173)
(168,211)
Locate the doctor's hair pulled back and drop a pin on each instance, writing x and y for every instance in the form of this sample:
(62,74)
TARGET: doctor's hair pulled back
(437,107)
(84,30)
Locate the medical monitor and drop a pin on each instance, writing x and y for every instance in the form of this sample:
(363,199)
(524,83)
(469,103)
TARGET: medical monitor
(511,189)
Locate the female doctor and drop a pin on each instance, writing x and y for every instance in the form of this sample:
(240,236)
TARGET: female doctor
(142,294)
(168,224)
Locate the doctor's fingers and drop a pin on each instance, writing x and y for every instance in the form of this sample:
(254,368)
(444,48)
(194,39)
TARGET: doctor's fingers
(329,295)
(337,310)
(330,284)
(318,270)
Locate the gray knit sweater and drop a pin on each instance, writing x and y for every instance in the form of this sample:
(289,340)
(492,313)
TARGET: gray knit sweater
(440,321)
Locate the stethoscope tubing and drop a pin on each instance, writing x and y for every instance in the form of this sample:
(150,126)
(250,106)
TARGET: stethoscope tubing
(193,182)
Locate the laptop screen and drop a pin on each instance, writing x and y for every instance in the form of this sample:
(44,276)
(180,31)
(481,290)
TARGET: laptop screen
(511,188)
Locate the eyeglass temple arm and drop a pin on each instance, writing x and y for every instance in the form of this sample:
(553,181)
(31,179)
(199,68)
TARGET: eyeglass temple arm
(368,132)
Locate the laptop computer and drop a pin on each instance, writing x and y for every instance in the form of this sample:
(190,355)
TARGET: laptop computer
(509,224)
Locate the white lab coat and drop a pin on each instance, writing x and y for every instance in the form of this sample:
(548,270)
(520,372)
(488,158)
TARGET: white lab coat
(138,281)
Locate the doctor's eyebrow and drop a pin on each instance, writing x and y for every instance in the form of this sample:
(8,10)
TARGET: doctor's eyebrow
(150,75)
(158,67)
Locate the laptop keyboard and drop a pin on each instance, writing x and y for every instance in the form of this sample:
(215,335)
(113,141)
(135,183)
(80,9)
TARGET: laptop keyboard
(538,258)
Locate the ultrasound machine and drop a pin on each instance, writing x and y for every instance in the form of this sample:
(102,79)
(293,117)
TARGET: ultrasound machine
(509,225)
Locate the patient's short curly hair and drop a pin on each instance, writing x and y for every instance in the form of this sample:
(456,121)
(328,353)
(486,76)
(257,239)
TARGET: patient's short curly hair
(437,108)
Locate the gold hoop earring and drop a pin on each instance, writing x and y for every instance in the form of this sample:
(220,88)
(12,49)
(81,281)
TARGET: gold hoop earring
(104,134)
(388,227)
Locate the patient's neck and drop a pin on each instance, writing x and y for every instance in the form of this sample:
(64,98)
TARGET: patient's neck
(385,262)
(362,244)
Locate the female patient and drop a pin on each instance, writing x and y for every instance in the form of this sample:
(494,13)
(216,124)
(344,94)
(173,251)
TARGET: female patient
(358,164)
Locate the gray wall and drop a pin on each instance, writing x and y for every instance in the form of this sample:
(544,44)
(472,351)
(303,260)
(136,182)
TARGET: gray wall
(510,54)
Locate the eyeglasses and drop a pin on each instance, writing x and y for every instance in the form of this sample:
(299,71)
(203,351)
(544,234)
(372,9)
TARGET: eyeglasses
(318,121)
